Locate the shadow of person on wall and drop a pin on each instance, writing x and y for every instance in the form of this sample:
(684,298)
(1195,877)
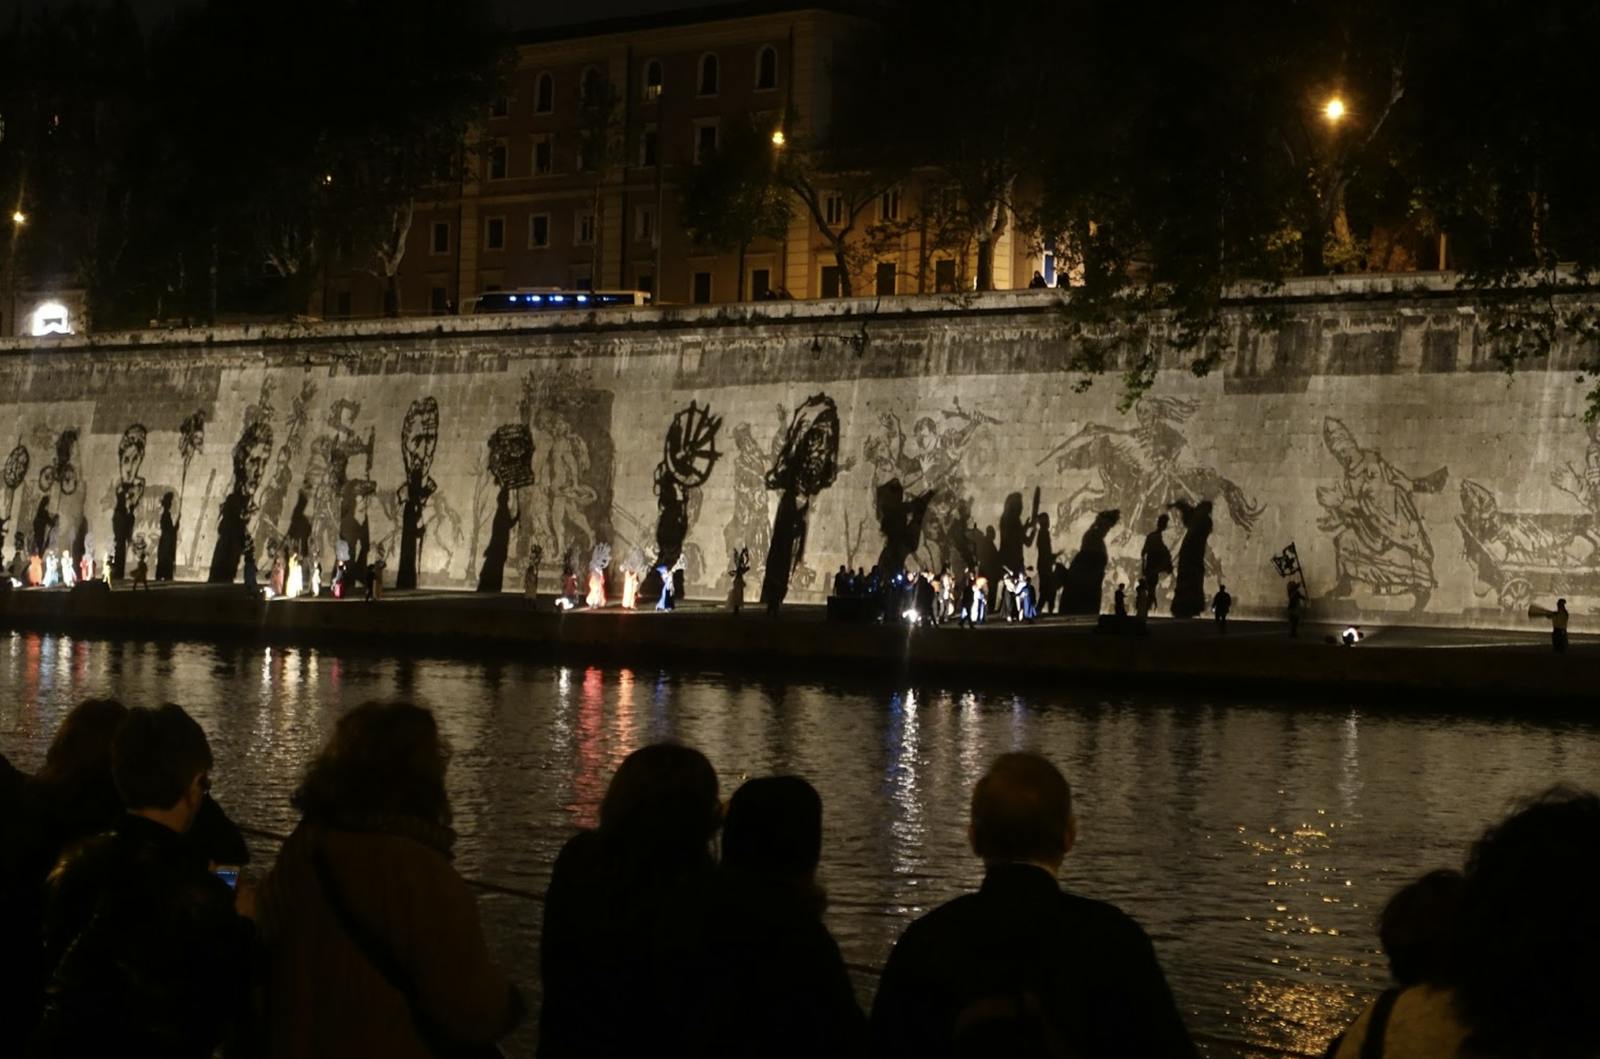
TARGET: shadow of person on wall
(688,455)
(1189,587)
(250,455)
(806,464)
(900,521)
(511,466)
(1081,592)
(167,542)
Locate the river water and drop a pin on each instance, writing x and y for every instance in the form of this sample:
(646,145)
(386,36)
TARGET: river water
(1254,840)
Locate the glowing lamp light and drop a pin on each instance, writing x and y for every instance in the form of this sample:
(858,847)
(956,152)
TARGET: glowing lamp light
(51,319)
(18,217)
(778,139)
(583,297)
(1333,110)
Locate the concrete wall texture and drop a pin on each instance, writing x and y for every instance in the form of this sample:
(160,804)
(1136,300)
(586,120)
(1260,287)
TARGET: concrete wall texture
(1363,420)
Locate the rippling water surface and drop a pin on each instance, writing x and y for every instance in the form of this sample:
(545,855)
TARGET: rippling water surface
(1254,840)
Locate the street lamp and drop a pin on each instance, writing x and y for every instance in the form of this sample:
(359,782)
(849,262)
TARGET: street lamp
(778,139)
(19,218)
(1333,110)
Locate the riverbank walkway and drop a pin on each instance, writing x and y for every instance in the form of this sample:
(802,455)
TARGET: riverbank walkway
(1400,661)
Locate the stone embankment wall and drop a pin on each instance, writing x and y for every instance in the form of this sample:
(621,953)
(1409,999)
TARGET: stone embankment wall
(1365,421)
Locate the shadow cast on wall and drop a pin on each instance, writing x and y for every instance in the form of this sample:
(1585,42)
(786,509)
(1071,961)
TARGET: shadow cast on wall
(806,464)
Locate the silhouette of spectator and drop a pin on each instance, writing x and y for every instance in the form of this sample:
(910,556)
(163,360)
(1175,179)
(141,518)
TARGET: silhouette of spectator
(1558,627)
(1020,967)
(1297,607)
(616,938)
(1119,600)
(147,953)
(1221,603)
(373,940)
(769,979)
(1081,590)
(1037,282)
(1525,965)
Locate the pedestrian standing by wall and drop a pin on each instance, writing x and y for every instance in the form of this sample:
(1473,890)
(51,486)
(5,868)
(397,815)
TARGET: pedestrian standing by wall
(1221,603)
(1297,607)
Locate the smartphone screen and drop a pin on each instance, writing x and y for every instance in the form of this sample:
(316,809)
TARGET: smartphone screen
(228,873)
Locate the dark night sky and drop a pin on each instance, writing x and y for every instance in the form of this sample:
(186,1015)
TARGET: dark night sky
(517,13)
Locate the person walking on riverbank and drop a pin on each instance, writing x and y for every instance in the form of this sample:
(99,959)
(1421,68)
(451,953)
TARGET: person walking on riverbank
(1022,967)
(1297,608)
(1221,603)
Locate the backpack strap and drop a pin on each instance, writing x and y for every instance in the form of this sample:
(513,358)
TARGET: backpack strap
(377,952)
(1378,1025)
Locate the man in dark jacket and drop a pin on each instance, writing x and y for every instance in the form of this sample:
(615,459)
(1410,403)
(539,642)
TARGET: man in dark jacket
(148,955)
(1021,968)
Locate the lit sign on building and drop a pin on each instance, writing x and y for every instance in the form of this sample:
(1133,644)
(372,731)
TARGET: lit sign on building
(51,318)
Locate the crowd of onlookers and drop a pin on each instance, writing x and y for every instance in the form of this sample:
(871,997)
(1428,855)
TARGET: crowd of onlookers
(681,925)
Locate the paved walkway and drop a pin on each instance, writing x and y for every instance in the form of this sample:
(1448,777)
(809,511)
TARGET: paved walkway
(1408,660)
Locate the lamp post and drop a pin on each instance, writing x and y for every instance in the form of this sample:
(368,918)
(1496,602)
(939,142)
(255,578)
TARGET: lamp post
(1333,111)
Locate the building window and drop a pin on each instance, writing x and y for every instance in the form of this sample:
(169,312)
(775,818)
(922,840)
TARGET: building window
(497,161)
(649,145)
(645,229)
(944,276)
(652,80)
(592,88)
(544,94)
(885,277)
(494,233)
(500,107)
(539,231)
(705,139)
(341,304)
(441,237)
(833,209)
(760,283)
(544,155)
(708,75)
(830,281)
(702,288)
(582,228)
(889,205)
(646,282)
(767,68)
(438,301)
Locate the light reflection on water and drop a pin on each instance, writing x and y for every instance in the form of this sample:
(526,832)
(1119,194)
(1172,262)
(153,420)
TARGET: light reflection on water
(1254,842)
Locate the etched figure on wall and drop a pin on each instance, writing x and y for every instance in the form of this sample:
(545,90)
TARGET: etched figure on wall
(1379,539)
(251,454)
(807,463)
(57,481)
(276,488)
(511,466)
(1522,555)
(419,438)
(937,461)
(130,490)
(688,456)
(570,502)
(751,523)
(16,472)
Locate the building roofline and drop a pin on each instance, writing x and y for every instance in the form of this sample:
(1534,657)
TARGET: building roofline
(689,16)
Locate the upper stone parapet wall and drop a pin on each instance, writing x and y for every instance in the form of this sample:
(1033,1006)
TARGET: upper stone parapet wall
(1395,287)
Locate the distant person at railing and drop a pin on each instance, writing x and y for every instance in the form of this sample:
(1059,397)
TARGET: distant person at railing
(72,797)
(373,940)
(769,978)
(1524,979)
(149,952)
(617,931)
(1021,967)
